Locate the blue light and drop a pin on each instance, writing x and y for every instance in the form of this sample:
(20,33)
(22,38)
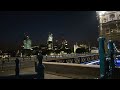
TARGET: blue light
(94,62)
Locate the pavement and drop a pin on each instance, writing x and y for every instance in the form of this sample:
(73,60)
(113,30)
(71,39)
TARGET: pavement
(28,71)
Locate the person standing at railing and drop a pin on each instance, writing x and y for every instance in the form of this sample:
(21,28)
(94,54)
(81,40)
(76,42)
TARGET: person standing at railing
(40,67)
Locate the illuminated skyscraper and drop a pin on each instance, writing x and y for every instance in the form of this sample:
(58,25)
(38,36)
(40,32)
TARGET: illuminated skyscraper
(27,45)
(50,41)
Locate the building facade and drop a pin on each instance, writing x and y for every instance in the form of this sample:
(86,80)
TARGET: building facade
(109,25)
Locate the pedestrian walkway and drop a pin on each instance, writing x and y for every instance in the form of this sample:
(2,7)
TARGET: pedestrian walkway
(31,70)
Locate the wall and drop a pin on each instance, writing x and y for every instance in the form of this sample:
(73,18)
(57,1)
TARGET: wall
(73,70)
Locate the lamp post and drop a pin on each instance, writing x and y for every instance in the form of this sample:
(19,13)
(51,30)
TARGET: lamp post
(102,50)
(100,16)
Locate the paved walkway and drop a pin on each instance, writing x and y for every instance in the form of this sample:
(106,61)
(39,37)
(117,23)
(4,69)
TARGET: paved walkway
(31,71)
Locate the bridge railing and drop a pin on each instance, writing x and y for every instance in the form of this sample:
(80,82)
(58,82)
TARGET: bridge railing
(19,63)
(24,62)
(29,61)
(75,58)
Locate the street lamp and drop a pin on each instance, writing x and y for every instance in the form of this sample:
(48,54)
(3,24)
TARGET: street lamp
(99,16)
(101,12)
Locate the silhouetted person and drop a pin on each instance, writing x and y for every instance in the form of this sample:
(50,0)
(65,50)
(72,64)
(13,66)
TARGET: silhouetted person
(40,57)
(40,66)
(3,60)
(17,67)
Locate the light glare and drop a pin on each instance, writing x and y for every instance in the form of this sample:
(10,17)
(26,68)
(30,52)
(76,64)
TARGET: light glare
(101,12)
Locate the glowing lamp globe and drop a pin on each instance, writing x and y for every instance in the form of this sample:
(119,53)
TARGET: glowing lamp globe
(100,13)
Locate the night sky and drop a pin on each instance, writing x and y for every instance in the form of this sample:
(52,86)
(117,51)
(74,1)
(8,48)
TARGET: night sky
(75,26)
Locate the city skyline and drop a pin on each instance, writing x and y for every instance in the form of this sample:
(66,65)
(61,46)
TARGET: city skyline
(74,26)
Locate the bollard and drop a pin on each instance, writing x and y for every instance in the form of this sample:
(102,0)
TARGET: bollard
(35,66)
(30,57)
(3,61)
(46,56)
(40,67)
(17,68)
(8,59)
(102,58)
